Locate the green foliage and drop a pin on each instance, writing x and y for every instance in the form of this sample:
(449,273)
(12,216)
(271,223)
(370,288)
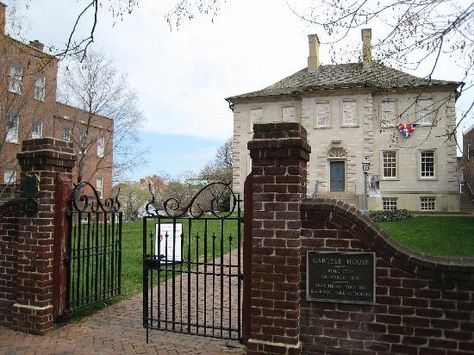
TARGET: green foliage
(390,216)
(435,235)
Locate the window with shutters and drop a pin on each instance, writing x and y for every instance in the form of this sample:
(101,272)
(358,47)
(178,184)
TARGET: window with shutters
(322,114)
(425,112)
(349,113)
(389,113)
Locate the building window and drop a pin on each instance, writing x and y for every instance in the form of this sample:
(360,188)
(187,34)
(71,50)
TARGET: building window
(67,135)
(12,129)
(425,111)
(256,115)
(288,113)
(427,203)
(16,74)
(9,176)
(99,185)
(82,141)
(37,129)
(389,203)
(100,146)
(388,113)
(427,164)
(389,160)
(349,113)
(40,86)
(322,114)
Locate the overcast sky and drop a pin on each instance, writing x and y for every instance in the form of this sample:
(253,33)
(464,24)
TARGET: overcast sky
(183,76)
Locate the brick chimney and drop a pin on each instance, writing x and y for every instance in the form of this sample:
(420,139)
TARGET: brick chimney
(3,18)
(37,44)
(366,48)
(313,59)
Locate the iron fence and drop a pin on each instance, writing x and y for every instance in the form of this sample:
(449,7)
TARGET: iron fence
(94,248)
(192,265)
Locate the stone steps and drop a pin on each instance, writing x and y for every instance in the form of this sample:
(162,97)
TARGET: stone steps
(347,197)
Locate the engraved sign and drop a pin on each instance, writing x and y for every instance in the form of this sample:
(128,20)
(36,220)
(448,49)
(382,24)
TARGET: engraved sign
(340,277)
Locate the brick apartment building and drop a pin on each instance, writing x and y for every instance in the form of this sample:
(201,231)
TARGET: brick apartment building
(468,157)
(28,106)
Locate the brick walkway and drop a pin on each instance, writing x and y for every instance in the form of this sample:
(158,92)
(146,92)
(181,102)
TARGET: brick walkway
(114,330)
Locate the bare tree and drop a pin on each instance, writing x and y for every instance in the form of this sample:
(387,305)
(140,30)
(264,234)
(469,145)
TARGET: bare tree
(94,86)
(220,168)
(415,34)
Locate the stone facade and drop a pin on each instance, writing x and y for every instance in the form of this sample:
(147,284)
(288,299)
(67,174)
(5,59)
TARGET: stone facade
(38,114)
(342,107)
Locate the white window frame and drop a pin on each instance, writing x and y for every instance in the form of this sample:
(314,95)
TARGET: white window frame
(346,104)
(288,112)
(383,109)
(67,134)
(15,78)
(37,129)
(9,176)
(322,118)
(100,146)
(99,186)
(11,135)
(391,167)
(427,203)
(389,203)
(40,87)
(256,115)
(421,168)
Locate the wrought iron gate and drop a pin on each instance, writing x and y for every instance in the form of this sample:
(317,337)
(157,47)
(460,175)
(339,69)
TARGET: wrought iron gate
(192,265)
(94,248)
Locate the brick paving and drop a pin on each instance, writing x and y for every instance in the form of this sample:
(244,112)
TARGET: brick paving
(114,330)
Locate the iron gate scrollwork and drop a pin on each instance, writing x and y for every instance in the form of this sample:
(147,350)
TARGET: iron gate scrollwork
(94,247)
(192,269)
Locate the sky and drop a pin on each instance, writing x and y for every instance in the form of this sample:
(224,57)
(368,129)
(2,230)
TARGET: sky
(182,76)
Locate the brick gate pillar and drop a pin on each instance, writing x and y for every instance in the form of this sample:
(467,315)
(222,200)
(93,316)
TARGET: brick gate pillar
(279,153)
(33,309)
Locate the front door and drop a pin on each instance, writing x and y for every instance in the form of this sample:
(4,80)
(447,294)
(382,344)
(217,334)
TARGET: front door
(337,175)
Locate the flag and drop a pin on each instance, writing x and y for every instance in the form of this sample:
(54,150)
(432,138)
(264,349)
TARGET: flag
(406,129)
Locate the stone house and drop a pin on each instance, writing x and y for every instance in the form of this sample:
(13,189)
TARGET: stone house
(357,110)
(29,109)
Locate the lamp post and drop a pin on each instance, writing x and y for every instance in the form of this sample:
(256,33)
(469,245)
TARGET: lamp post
(365,169)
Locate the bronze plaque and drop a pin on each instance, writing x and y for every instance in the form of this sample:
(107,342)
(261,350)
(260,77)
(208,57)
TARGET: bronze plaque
(340,277)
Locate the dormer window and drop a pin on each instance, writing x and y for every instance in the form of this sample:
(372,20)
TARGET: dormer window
(40,85)
(16,74)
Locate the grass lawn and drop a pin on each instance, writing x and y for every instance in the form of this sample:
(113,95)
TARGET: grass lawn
(436,235)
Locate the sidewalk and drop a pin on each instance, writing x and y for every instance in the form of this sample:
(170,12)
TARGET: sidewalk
(114,330)
(117,329)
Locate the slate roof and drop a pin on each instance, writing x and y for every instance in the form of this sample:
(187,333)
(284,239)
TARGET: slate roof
(342,76)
